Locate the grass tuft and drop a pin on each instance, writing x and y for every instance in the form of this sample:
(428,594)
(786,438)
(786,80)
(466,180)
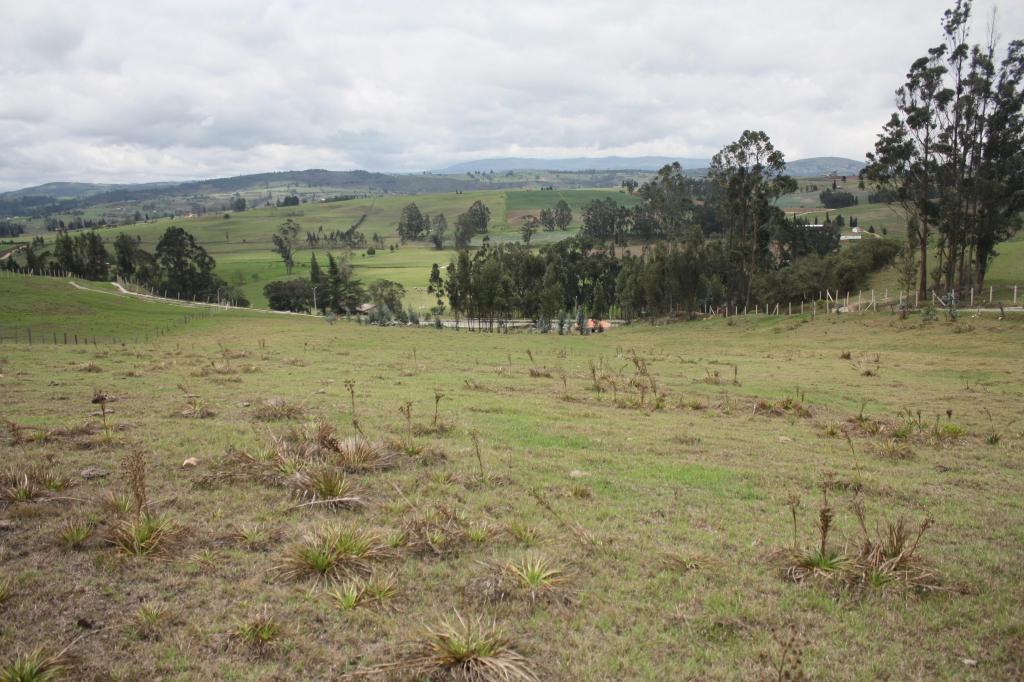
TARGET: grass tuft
(142,535)
(35,666)
(332,553)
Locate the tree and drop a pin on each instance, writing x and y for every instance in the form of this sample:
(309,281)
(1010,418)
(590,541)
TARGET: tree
(344,293)
(184,267)
(630,185)
(389,294)
(478,215)
(316,275)
(295,295)
(438,229)
(411,224)
(562,215)
(529,226)
(547,219)
(749,175)
(605,220)
(286,241)
(238,204)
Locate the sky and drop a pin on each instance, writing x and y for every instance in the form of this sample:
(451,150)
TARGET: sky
(110,91)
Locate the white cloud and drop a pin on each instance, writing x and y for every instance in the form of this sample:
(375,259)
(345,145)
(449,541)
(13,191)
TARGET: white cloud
(129,91)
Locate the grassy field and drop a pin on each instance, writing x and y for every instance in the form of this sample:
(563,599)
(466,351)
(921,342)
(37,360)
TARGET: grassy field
(667,523)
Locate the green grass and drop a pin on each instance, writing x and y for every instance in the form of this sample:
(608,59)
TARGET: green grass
(709,483)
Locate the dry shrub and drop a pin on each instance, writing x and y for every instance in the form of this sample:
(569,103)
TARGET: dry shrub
(891,556)
(277,409)
(90,367)
(215,369)
(440,530)
(540,372)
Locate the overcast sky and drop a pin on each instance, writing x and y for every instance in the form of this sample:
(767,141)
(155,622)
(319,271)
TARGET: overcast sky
(105,91)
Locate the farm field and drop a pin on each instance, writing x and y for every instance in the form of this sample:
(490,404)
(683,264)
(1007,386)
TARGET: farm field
(654,471)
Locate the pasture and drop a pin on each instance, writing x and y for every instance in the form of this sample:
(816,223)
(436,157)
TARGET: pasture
(640,504)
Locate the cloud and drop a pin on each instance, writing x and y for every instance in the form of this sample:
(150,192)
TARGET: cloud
(118,91)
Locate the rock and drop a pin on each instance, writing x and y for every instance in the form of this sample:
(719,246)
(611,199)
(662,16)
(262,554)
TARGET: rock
(576,473)
(6,524)
(89,473)
(190,462)
(969,662)
(785,439)
(245,403)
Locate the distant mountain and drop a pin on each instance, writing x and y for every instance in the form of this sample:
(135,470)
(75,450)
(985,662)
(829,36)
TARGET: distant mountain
(59,197)
(584,163)
(816,166)
(823,165)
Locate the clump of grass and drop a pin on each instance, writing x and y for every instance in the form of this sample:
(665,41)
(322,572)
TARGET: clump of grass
(36,666)
(89,367)
(527,535)
(259,631)
(148,621)
(326,487)
(20,487)
(358,455)
(278,409)
(894,448)
(683,562)
(831,429)
(461,649)
(74,533)
(332,553)
(377,591)
(845,355)
(116,503)
(480,534)
(254,536)
(143,534)
(536,574)
(949,432)
(6,589)
(580,491)
(195,407)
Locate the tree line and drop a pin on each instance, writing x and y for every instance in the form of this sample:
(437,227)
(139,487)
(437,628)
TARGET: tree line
(178,268)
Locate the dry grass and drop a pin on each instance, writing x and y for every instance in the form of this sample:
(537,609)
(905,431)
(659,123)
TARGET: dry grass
(278,409)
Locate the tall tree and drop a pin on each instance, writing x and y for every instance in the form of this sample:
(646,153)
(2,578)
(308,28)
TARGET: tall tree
(286,242)
(562,215)
(438,229)
(749,175)
(411,223)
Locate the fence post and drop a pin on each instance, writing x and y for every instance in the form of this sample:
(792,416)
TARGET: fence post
(30,336)
(990,293)
(790,308)
(1015,294)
